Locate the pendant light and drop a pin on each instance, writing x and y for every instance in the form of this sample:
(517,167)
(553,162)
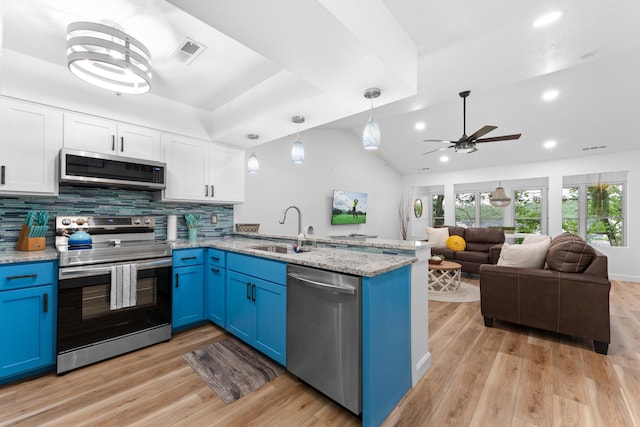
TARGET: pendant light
(297,150)
(499,198)
(108,57)
(252,164)
(371,134)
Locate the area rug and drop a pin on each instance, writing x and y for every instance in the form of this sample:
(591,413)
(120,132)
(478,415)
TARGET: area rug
(232,369)
(466,293)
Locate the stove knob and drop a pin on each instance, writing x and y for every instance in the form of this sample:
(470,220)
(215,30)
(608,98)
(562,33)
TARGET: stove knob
(147,221)
(136,221)
(66,221)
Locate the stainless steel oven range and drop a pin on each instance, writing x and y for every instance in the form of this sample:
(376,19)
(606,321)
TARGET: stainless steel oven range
(114,288)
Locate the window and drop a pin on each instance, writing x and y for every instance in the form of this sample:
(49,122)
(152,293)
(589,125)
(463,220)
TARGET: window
(527,205)
(437,210)
(466,209)
(593,207)
(490,216)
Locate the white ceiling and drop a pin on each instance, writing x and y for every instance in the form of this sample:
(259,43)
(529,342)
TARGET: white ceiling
(267,61)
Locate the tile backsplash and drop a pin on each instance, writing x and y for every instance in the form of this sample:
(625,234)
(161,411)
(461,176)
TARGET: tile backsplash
(90,201)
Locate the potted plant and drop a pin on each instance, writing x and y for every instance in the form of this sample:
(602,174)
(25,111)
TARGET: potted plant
(436,259)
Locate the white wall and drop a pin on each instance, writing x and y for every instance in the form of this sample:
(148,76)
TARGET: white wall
(334,160)
(623,261)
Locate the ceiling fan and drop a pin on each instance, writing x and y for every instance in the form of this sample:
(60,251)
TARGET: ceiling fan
(467,144)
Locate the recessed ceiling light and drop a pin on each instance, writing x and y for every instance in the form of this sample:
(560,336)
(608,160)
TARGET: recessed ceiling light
(444,159)
(547,19)
(550,95)
(420,125)
(550,144)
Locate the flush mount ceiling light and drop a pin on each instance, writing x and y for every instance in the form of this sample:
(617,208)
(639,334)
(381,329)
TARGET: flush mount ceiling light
(547,19)
(371,134)
(550,95)
(252,164)
(297,150)
(108,58)
(499,198)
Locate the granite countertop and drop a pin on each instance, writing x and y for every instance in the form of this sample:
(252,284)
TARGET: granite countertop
(8,256)
(340,260)
(371,242)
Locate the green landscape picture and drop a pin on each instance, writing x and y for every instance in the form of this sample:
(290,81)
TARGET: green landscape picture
(349,207)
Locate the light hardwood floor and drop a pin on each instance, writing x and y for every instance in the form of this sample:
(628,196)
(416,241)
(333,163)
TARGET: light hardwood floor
(500,376)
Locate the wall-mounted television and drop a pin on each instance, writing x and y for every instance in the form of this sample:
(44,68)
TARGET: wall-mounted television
(349,207)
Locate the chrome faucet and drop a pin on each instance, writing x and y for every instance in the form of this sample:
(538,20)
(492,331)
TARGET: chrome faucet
(284,217)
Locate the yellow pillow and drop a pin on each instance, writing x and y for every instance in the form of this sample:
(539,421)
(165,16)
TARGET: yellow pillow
(456,243)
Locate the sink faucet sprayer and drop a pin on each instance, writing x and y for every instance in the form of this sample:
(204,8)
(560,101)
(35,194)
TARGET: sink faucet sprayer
(284,217)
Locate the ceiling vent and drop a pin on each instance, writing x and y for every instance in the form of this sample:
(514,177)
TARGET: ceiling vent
(188,50)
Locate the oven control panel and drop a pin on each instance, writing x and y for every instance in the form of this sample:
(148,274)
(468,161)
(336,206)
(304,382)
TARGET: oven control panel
(66,225)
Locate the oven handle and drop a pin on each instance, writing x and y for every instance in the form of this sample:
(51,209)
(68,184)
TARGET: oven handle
(97,270)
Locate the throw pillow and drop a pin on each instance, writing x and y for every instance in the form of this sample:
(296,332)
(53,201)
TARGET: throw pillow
(438,236)
(570,256)
(456,243)
(534,238)
(531,255)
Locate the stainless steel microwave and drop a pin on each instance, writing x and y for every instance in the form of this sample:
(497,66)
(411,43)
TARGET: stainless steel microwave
(105,170)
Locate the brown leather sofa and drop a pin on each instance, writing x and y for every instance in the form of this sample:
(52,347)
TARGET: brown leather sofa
(483,247)
(569,296)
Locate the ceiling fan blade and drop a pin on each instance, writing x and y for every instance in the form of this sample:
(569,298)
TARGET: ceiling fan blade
(446,141)
(438,149)
(480,132)
(500,138)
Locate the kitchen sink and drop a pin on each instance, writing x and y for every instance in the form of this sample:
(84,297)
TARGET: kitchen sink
(281,249)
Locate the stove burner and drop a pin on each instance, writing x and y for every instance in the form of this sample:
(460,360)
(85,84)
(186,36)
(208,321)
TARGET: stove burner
(114,239)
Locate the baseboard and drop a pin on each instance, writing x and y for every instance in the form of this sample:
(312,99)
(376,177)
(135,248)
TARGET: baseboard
(624,278)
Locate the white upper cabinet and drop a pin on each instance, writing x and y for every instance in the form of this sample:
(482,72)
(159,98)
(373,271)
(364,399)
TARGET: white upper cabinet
(202,171)
(226,172)
(105,136)
(30,137)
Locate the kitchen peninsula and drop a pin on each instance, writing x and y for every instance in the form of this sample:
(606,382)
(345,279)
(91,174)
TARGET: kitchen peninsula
(394,303)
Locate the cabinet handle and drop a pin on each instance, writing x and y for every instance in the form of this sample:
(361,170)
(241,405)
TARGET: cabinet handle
(187,258)
(212,191)
(248,291)
(46,302)
(121,144)
(215,258)
(215,270)
(206,191)
(2,169)
(177,280)
(24,276)
(113,143)
(253,292)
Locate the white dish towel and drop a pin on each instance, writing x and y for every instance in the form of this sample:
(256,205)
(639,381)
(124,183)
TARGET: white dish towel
(124,279)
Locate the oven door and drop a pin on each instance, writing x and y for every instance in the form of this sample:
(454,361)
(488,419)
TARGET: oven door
(84,313)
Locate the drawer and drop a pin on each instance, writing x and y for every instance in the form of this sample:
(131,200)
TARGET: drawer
(16,276)
(184,257)
(216,257)
(274,271)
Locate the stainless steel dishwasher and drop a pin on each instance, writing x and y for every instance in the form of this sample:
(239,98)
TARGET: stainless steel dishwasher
(324,332)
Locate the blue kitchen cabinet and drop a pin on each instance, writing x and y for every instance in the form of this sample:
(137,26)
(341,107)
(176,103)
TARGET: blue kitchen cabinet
(257,303)
(27,318)
(188,287)
(215,287)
